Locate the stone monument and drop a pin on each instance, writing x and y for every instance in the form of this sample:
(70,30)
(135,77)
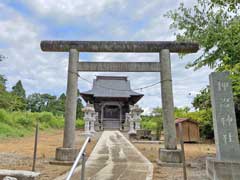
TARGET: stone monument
(226,165)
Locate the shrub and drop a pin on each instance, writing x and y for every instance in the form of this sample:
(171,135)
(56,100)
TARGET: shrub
(8,131)
(18,124)
(56,123)
(25,122)
(4,117)
(45,117)
(79,123)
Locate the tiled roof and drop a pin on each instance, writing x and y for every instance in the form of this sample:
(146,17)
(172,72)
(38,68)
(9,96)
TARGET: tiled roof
(111,86)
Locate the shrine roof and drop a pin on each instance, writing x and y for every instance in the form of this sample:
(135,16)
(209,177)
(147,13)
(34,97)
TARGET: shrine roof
(112,87)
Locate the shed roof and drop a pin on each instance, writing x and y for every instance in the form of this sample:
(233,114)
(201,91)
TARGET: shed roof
(111,87)
(180,120)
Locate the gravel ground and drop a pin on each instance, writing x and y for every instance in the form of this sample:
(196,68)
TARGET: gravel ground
(195,160)
(16,154)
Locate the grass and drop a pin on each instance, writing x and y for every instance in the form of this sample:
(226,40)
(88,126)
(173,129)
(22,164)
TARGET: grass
(19,124)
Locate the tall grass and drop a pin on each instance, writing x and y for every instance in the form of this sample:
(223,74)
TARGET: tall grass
(19,124)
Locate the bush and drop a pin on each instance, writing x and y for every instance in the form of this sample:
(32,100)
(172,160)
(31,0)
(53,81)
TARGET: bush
(18,124)
(4,117)
(8,131)
(80,123)
(56,123)
(25,122)
(45,117)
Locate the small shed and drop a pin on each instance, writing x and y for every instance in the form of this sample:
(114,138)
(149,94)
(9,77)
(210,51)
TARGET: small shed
(190,129)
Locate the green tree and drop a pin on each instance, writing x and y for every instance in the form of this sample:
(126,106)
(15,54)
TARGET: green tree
(2,82)
(35,102)
(158,113)
(202,100)
(60,104)
(79,106)
(9,101)
(2,79)
(215,27)
(18,90)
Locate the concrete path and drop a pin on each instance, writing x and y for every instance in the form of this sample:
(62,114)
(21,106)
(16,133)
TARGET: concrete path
(115,158)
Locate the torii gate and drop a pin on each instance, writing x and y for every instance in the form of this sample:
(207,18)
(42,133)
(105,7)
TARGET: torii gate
(170,153)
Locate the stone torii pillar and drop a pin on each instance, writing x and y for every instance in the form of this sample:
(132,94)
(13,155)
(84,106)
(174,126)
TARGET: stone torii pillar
(170,153)
(68,152)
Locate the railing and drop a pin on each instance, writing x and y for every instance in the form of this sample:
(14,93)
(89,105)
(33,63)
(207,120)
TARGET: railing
(81,154)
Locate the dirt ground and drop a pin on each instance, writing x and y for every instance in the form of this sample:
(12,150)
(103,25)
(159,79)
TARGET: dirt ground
(195,159)
(18,153)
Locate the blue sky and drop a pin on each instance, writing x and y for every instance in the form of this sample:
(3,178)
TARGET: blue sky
(24,23)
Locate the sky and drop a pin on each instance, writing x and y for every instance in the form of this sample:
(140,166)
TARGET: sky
(24,23)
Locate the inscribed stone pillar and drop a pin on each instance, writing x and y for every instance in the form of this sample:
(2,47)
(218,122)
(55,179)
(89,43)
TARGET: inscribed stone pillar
(71,100)
(167,101)
(224,119)
(226,165)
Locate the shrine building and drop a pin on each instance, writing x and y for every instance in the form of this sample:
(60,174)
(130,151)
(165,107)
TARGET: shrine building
(111,97)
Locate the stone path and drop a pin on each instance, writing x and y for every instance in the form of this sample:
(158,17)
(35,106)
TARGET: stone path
(115,158)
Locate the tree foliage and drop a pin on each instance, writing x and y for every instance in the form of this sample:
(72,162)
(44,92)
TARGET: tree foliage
(37,102)
(202,100)
(16,100)
(8,100)
(203,116)
(215,25)
(18,90)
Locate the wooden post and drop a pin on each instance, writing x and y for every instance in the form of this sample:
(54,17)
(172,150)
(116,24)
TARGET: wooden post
(35,147)
(183,152)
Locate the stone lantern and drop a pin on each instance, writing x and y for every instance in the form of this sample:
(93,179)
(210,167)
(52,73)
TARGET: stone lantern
(136,115)
(89,118)
(134,118)
(92,122)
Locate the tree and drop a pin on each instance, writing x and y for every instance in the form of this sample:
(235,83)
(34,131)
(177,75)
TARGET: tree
(11,102)
(202,100)
(2,82)
(158,113)
(79,106)
(18,90)
(2,79)
(35,102)
(215,25)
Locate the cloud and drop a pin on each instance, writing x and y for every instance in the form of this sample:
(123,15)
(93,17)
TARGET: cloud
(20,39)
(71,10)
(46,72)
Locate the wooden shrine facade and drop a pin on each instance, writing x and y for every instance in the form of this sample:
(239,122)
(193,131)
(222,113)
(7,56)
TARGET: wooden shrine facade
(111,97)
